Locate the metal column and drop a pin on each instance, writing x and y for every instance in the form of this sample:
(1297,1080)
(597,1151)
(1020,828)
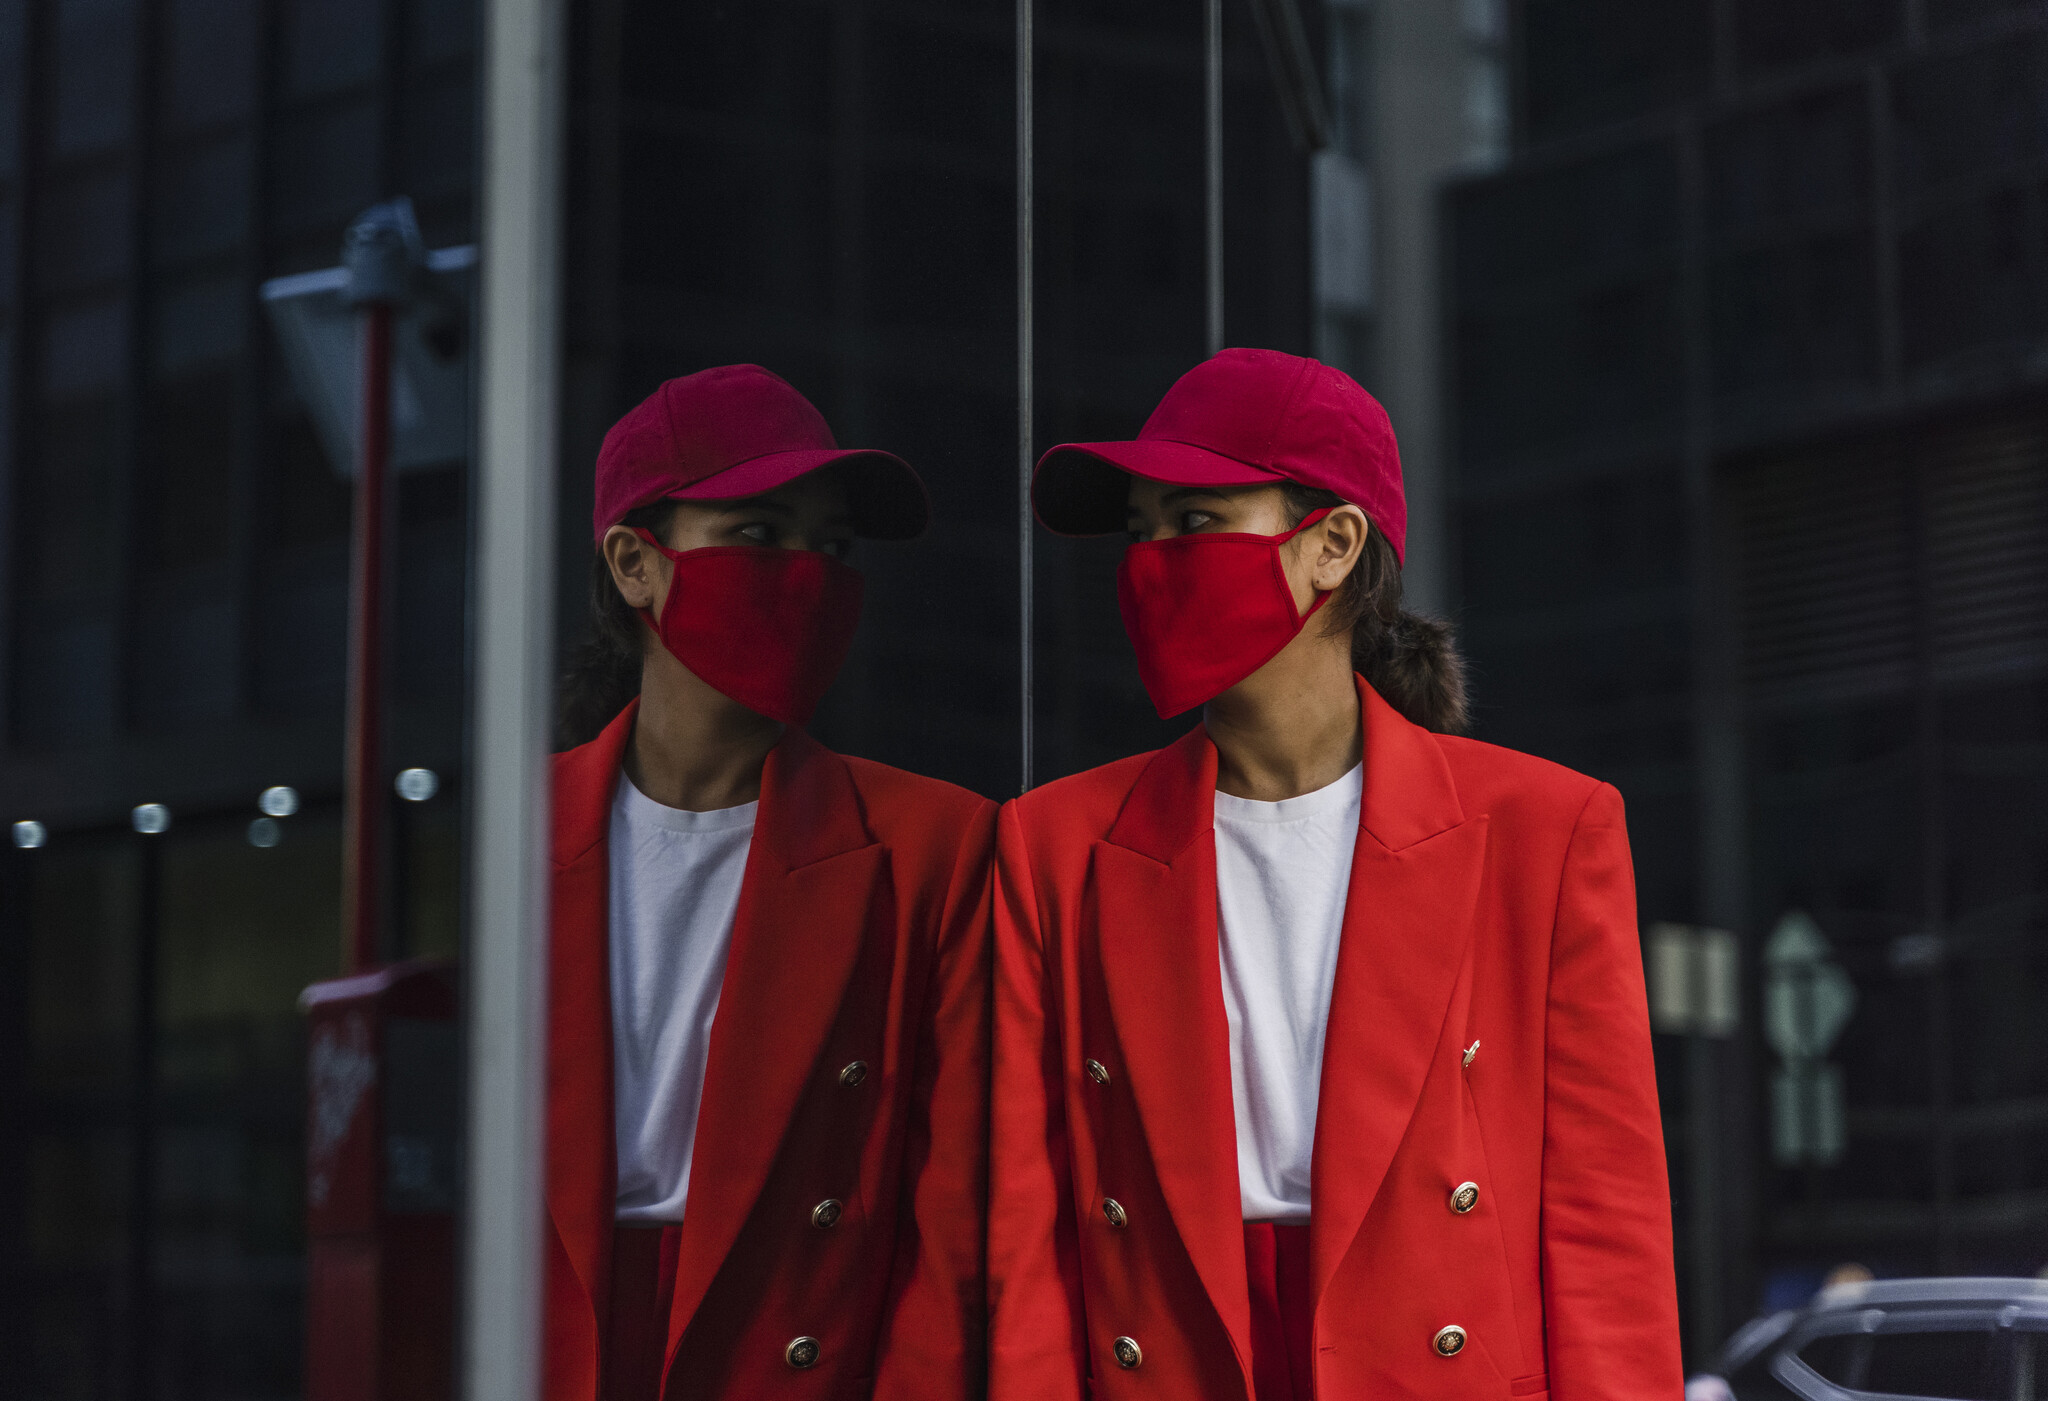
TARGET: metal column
(1212,166)
(525,47)
(1026,717)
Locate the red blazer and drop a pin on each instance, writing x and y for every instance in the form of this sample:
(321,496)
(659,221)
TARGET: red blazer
(861,935)
(1491,901)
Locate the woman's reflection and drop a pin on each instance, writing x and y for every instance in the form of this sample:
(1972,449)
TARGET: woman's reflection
(767,1033)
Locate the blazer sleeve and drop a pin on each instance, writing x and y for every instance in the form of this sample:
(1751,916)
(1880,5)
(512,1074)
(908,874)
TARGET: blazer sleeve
(1610,1303)
(1037,1340)
(932,1346)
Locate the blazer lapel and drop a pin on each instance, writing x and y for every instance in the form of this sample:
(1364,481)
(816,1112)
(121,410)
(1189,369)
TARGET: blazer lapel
(1407,922)
(803,914)
(581,1145)
(1155,902)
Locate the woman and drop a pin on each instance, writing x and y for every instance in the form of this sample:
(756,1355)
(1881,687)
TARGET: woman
(1322,1060)
(768,1021)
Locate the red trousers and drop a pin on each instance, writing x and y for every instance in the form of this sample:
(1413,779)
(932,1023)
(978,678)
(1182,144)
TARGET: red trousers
(643,1286)
(1283,1316)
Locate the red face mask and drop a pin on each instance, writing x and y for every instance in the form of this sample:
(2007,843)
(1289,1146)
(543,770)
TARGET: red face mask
(1206,611)
(767,627)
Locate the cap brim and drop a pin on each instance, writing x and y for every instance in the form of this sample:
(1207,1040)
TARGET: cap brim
(1084,488)
(887,498)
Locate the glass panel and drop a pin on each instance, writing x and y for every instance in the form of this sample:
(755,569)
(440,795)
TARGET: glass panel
(1843,1358)
(13,70)
(330,45)
(82,232)
(244,930)
(1965,1366)
(210,61)
(325,170)
(94,77)
(201,199)
(443,29)
(81,967)
(187,507)
(1769,32)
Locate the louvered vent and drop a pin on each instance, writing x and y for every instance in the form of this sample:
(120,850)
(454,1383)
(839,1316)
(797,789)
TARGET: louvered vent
(1988,556)
(1837,552)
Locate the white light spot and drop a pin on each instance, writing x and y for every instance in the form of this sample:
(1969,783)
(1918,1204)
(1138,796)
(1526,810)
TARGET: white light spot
(418,785)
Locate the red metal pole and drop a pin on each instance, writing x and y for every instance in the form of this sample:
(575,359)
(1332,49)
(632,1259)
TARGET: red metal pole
(364,797)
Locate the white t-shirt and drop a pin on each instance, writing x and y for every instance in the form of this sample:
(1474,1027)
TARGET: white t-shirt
(1282,872)
(675,885)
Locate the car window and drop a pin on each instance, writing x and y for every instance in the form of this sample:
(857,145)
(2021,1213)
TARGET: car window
(1962,1366)
(1843,1358)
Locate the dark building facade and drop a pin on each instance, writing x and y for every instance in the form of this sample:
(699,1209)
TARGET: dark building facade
(173,595)
(1747,348)
(827,189)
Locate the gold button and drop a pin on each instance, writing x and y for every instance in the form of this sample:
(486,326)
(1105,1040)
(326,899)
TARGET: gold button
(802,1353)
(1450,1341)
(1128,1353)
(1465,1197)
(825,1215)
(1113,1213)
(855,1072)
(1097,1071)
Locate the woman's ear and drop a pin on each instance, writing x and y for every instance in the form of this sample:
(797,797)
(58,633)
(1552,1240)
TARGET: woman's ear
(636,568)
(1341,542)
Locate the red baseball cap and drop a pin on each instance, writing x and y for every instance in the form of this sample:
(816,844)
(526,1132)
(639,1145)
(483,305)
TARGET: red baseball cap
(1240,418)
(735,431)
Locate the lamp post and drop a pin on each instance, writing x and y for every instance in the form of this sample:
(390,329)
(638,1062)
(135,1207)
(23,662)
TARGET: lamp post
(382,254)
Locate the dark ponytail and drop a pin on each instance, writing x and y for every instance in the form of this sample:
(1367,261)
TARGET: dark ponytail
(604,670)
(1411,660)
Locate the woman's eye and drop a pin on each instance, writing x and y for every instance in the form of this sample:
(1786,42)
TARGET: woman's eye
(1195,520)
(758,533)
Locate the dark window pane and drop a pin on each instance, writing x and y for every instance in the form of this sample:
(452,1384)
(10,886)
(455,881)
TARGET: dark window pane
(437,140)
(210,61)
(66,688)
(1973,277)
(767,63)
(13,61)
(1964,1366)
(197,325)
(85,349)
(443,29)
(1963,11)
(95,75)
(326,169)
(202,201)
(10,249)
(1793,320)
(330,45)
(1770,32)
(66,501)
(1840,1357)
(1790,167)
(186,499)
(185,653)
(312,500)
(244,929)
(302,634)
(1982,112)
(82,232)
(1587,61)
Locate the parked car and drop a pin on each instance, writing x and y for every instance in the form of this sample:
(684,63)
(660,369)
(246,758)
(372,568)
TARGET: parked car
(1945,1339)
